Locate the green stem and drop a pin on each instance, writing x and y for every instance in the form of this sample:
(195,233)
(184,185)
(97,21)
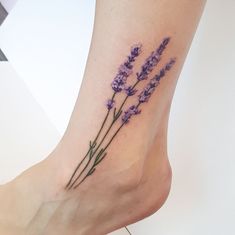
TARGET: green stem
(110,141)
(97,148)
(111,125)
(107,145)
(114,120)
(76,169)
(85,167)
(97,136)
(92,154)
(87,164)
(106,117)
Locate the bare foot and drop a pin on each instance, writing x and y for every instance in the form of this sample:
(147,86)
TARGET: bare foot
(112,199)
(134,179)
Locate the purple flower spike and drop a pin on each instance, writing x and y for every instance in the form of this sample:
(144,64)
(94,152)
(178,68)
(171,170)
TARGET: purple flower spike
(119,82)
(163,45)
(110,104)
(148,90)
(136,50)
(125,69)
(133,110)
(152,60)
(154,82)
(130,91)
(163,71)
(170,64)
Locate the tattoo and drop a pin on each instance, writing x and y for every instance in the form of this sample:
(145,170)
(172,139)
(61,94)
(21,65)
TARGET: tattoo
(97,150)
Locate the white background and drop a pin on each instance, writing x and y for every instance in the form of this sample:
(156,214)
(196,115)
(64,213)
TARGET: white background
(48,47)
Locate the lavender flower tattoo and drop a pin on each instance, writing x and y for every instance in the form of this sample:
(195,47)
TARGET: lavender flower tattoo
(125,70)
(97,150)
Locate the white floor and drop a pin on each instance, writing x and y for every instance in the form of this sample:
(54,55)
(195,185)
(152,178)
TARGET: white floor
(37,100)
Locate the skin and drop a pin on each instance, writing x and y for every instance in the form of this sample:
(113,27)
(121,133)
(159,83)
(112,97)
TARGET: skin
(134,179)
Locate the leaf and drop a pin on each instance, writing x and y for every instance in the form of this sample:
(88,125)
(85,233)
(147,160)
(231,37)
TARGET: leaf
(98,155)
(91,171)
(93,144)
(100,159)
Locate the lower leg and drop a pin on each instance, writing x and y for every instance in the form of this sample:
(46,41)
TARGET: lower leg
(136,163)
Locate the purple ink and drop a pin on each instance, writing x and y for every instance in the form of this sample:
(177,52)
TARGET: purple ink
(125,70)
